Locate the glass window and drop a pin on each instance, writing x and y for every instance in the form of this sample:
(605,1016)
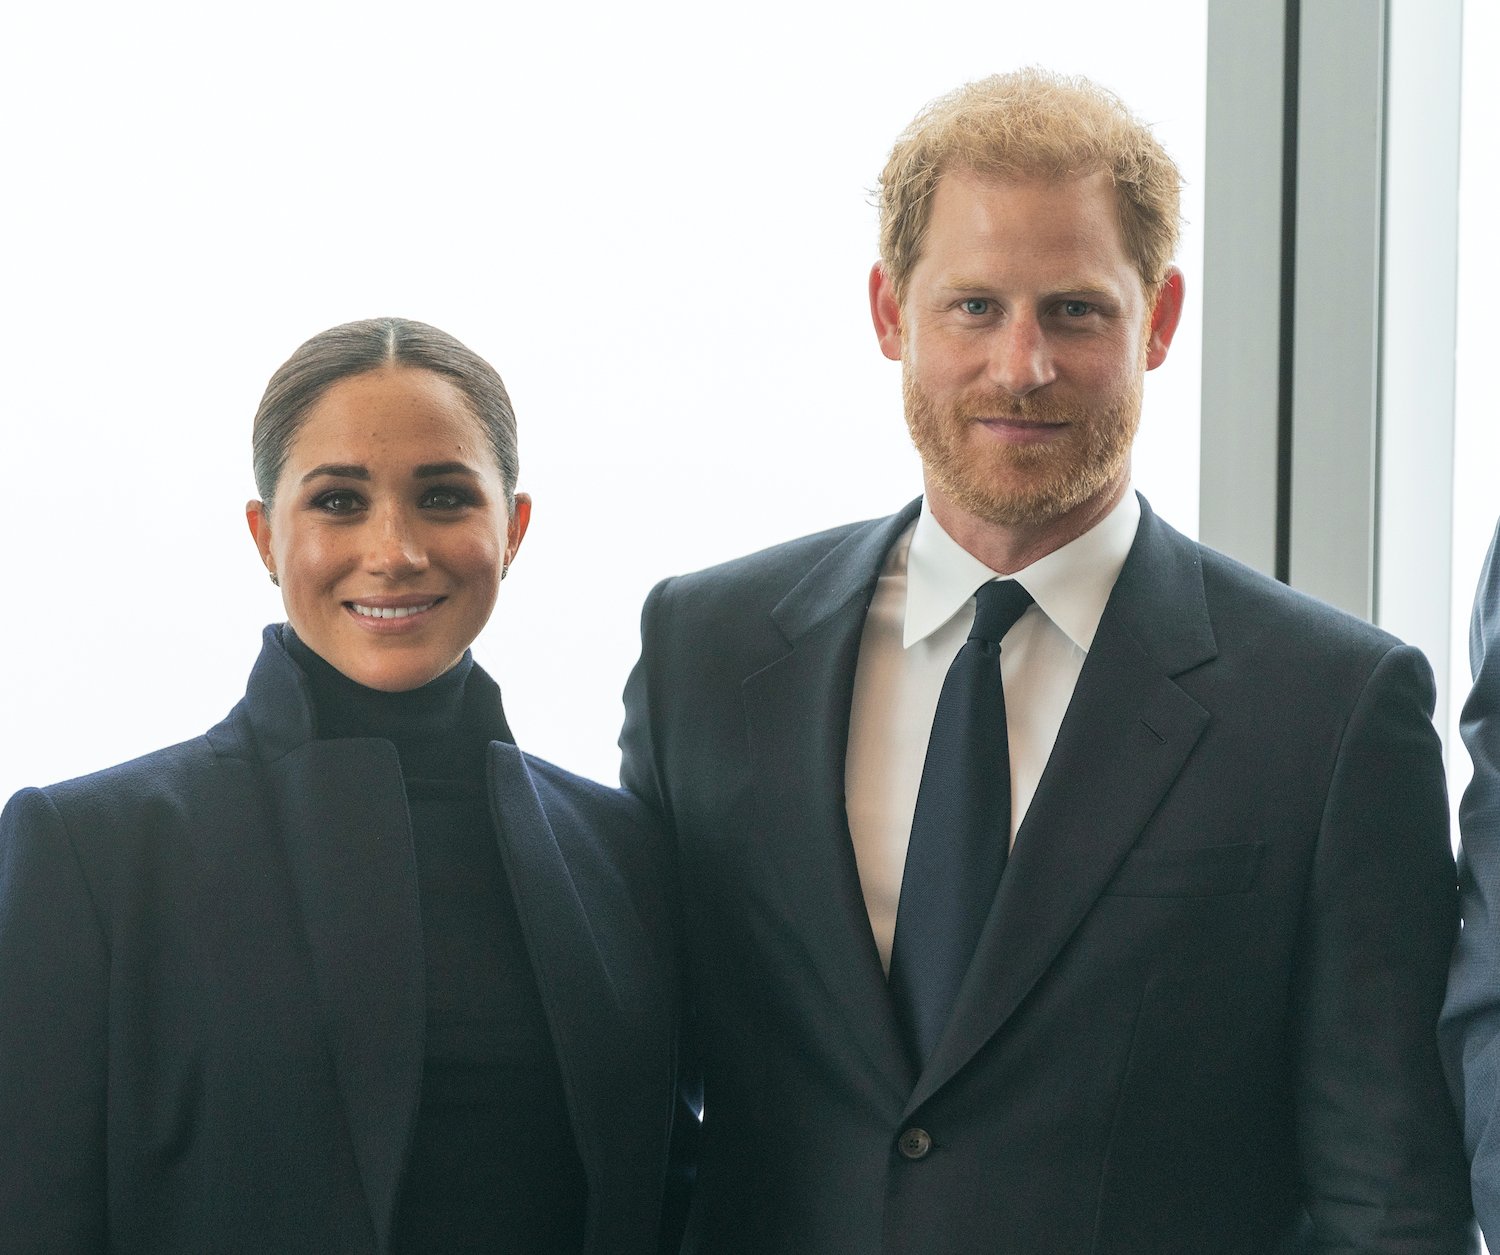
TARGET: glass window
(1476,436)
(654,219)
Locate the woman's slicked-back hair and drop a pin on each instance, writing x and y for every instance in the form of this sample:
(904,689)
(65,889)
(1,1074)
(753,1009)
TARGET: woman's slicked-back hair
(356,347)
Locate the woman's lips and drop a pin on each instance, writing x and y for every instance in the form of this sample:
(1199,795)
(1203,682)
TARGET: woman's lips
(392,614)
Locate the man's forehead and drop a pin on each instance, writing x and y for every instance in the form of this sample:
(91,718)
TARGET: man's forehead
(982,212)
(975,178)
(979,220)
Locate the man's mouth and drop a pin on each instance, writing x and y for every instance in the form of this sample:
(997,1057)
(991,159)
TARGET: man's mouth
(1023,430)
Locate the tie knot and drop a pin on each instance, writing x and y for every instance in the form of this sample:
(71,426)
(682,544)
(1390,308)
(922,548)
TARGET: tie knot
(998,605)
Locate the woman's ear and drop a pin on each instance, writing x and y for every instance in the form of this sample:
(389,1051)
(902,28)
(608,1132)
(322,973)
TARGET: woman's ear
(515,531)
(259,519)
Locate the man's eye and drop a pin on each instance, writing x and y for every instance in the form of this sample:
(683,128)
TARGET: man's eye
(340,501)
(1076,309)
(976,305)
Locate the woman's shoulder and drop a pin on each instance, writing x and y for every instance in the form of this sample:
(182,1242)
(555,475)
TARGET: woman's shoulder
(614,849)
(592,824)
(150,773)
(145,783)
(145,794)
(561,789)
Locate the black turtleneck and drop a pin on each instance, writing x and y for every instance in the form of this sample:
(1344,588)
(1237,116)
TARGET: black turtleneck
(493,1164)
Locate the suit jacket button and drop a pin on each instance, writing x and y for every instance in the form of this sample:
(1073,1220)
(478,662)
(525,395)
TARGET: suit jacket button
(914,1143)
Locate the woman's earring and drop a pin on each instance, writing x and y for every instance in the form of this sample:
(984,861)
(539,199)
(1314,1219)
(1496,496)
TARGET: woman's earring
(277,582)
(504,569)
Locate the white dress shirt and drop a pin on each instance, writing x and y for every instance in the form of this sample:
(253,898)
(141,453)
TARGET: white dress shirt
(917,622)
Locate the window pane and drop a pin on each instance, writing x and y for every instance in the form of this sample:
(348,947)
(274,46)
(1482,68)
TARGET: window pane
(654,219)
(1476,436)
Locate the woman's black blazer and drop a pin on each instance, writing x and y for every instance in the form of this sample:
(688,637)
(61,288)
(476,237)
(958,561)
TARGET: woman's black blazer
(212,990)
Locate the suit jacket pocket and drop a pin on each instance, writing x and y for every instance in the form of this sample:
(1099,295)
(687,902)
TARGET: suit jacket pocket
(1188,873)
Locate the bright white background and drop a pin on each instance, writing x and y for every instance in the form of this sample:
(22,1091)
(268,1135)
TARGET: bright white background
(653,218)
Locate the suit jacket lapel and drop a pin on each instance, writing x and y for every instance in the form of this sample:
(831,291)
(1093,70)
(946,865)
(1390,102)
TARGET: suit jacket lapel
(571,970)
(797,712)
(1127,733)
(342,813)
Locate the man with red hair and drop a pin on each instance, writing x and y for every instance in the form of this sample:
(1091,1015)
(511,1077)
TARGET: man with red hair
(1052,883)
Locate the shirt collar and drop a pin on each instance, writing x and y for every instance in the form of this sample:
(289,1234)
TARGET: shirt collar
(1070,585)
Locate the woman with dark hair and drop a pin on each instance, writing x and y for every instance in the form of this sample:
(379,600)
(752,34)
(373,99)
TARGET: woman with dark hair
(350,972)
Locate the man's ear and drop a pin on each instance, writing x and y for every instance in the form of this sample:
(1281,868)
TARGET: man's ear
(259,519)
(885,312)
(1165,315)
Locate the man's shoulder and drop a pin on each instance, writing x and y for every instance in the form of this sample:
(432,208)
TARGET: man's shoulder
(1239,594)
(767,575)
(1315,651)
(1184,600)
(787,557)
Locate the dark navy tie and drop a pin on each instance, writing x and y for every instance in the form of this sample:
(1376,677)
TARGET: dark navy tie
(960,833)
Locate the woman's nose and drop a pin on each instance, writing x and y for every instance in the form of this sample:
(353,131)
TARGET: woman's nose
(395,546)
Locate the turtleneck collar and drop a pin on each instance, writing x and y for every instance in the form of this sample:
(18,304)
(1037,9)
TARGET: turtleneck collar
(277,714)
(345,708)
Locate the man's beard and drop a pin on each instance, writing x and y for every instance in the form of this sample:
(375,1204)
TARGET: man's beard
(1017,484)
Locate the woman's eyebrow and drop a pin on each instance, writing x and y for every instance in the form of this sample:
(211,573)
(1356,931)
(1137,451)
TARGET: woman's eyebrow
(430,470)
(351,470)
(340,470)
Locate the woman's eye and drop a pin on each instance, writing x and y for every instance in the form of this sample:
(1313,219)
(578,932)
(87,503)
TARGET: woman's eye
(340,501)
(445,499)
(976,305)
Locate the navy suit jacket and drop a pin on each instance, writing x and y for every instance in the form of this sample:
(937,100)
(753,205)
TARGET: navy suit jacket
(1201,1014)
(212,989)
(1471,1017)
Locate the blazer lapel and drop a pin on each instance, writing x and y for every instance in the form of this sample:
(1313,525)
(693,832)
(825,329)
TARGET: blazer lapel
(797,712)
(1127,733)
(571,970)
(342,814)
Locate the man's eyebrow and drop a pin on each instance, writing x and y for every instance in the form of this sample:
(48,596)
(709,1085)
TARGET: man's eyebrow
(338,470)
(960,283)
(431,470)
(1085,287)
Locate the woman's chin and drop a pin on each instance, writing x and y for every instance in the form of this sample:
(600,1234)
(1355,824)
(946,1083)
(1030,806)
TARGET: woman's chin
(390,670)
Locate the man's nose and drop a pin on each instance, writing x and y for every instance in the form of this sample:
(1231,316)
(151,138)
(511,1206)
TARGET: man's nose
(1020,356)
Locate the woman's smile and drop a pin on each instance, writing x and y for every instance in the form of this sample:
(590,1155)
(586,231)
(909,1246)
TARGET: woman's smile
(382,614)
(389,529)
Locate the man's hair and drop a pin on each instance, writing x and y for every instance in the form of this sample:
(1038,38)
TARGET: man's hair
(1024,125)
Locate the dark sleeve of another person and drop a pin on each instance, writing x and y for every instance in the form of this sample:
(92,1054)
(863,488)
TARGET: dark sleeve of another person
(1470,1028)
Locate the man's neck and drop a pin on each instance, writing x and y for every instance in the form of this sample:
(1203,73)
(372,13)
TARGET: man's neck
(1006,548)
